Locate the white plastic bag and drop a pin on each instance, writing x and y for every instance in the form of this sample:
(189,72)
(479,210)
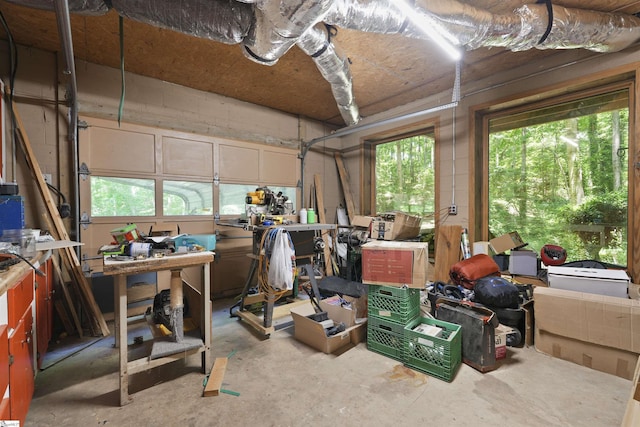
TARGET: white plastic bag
(281,263)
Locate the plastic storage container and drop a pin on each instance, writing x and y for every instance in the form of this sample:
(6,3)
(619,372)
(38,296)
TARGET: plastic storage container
(393,304)
(438,356)
(191,242)
(386,338)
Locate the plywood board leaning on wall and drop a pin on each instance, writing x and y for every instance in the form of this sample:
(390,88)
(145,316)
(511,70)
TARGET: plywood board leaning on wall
(447,250)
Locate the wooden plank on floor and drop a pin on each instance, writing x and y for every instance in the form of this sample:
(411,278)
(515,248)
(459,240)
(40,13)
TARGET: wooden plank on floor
(214,383)
(447,250)
(344,180)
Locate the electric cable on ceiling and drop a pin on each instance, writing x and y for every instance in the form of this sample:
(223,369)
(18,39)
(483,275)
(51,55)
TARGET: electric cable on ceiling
(122,91)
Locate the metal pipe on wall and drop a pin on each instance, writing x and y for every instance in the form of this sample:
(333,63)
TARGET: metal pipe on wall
(64,32)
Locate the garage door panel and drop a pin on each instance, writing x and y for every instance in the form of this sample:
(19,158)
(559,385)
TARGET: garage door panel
(187,157)
(239,163)
(121,150)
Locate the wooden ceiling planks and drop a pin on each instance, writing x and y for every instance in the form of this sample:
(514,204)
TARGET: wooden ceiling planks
(387,70)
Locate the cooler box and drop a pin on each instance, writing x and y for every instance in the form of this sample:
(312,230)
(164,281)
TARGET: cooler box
(613,283)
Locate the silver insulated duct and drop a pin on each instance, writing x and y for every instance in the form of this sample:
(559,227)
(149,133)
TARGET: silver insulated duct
(224,21)
(267,29)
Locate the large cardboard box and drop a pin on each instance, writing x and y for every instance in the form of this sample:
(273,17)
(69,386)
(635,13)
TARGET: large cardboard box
(597,331)
(614,283)
(395,263)
(313,333)
(632,413)
(403,226)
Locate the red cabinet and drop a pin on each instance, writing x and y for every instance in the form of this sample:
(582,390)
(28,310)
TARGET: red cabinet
(21,379)
(24,339)
(20,298)
(4,372)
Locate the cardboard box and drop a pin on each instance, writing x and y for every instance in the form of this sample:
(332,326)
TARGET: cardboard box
(506,242)
(501,340)
(613,283)
(362,221)
(632,413)
(313,333)
(395,263)
(523,263)
(403,226)
(597,331)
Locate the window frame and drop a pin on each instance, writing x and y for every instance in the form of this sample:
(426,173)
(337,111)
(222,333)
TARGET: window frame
(368,162)
(479,161)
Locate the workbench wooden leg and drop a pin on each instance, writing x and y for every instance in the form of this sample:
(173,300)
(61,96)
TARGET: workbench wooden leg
(121,328)
(116,312)
(206,318)
(268,310)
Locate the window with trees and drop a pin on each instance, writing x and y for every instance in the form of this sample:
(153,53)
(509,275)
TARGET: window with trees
(405,175)
(558,174)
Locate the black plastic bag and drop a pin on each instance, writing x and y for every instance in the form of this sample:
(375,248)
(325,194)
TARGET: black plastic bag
(495,291)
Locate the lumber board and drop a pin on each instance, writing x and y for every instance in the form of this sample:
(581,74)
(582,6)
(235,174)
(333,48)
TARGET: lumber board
(69,256)
(255,322)
(131,312)
(328,262)
(344,180)
(447,250)
(62,314)
(177,261)
(284,310)
(67,296)
(143,364)
(141,292)
(214,383)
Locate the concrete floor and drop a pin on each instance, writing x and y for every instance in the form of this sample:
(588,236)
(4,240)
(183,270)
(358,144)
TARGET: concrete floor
(283,382)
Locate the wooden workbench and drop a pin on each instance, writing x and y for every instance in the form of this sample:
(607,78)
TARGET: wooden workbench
(122,269)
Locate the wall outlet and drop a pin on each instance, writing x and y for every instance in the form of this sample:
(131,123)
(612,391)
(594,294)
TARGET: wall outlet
(453,210)
(47,178)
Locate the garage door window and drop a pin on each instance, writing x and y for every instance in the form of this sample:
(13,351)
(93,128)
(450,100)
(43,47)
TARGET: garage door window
(113,196)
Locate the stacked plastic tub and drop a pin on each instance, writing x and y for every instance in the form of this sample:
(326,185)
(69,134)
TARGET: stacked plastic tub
(394,313)
(390,310)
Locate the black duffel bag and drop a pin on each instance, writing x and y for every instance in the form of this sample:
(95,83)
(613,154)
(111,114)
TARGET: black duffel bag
(497,292)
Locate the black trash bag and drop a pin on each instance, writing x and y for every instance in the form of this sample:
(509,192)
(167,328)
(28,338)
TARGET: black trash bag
(495,291)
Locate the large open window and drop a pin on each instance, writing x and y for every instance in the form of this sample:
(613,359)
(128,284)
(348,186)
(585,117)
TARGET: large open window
(558,174)
(405,175)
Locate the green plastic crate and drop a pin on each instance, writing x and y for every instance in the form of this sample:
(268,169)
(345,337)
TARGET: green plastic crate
(385,338)
(398,305)
(436,356)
